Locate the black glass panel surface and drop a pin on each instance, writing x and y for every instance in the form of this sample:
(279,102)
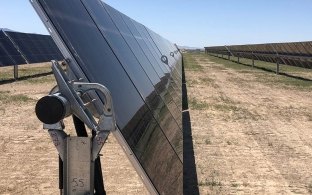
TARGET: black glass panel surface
(146,64)
(9,55)
(106,56)
(34,47)
(136,73)
(156,59)
(150,53)
(163,49)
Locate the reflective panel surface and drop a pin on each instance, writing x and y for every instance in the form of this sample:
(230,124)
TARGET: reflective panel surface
(116,51)
(8,53)
(34,47)
(293,54)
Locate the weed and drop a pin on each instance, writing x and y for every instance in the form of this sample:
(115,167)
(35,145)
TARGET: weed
(284,81)
(225,99)
(27,71)
(197,104)
(245,184)
(235,185)
(190,62)
(207,141)
(209,81)
(191,83)
(43,79)
(6,98)
(310,188)
(206,80)
(233,108)
(235,112)
(225,107)
(228,63)
(2,110)
(210,183)
(309,116)
(7,73)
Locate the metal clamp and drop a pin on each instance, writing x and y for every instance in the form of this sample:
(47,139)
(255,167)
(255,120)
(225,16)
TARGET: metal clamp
(73,98)
(65,100)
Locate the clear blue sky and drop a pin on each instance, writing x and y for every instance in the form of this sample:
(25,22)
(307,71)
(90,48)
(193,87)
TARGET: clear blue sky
(196,22)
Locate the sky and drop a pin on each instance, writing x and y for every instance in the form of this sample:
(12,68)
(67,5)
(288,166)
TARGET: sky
(196,23)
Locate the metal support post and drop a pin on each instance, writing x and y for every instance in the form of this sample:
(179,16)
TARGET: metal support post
(253,61)
(79,154)
(237,59)
(15,72)
(277,66)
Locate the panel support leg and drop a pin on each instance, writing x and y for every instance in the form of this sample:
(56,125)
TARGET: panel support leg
(79,155)
(277,67)
(15,72)
(253,62)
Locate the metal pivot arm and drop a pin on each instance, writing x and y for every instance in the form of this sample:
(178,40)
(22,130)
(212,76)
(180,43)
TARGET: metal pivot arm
(107,118)
(67,99)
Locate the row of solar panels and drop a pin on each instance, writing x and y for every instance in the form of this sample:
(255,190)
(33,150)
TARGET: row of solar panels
(143,72)
(294,54)
(22,48)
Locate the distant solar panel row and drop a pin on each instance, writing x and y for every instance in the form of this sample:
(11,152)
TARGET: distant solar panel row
(8,52)
(22,48)
(143,72)
(294,54)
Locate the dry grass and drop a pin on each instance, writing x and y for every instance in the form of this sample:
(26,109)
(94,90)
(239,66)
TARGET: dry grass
(251,128)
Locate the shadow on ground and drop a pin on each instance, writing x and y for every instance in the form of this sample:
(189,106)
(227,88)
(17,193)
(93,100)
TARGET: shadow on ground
(190,182)
(7,81)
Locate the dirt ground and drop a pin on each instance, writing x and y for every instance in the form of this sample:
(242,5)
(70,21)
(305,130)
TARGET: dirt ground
(250,137)
(28,159)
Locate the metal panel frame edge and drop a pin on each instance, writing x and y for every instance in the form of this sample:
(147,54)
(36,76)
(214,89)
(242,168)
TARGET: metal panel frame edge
(78,72)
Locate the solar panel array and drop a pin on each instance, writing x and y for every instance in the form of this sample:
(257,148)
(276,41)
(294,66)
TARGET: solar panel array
(8,52)
(34,47)
(21,48)
(143,72)
(293,54)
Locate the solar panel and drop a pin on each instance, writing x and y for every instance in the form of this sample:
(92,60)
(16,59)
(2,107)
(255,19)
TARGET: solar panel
(9,55)
(34,47)
(293,54)
(109,48)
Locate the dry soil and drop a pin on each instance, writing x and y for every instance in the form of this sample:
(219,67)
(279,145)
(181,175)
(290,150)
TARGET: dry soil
(250,136)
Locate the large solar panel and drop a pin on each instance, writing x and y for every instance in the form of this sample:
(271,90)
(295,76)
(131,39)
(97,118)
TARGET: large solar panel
(35,47)
(9,55)
(143,72)
(293,54)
